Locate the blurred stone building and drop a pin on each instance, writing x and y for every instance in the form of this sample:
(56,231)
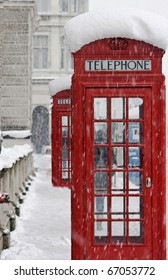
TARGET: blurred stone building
(50,60)
(32,53)
(17,22)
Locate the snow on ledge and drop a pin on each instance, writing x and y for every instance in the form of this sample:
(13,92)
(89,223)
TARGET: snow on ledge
(128,23)
(59,84)
(20,134)
(9,156)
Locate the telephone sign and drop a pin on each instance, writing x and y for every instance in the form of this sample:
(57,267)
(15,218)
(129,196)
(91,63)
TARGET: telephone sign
(118,65)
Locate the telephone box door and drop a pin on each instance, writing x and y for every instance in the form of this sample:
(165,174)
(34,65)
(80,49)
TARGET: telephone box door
(64,153)
(118,176)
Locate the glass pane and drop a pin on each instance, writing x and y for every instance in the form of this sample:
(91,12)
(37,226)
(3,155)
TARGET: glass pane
(64,175)
(118,132)
(118,182)
(118,108)
(64,5)
(64,154)
(100,108)
(64,131)
(65,164)
(118,232)
(136,232)
(136,157)
(135,108)
(118,157)
(136,183)
(101,232)
(64,121)
(135,206)
(100,157)
(135,132)
(100,132)
(100,182)
(118,204)
(100,204)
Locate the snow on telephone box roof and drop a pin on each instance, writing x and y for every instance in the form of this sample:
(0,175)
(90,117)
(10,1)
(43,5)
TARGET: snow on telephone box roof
(127,23)
(59,84)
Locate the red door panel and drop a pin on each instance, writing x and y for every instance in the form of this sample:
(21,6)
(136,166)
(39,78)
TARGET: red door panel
(118,173)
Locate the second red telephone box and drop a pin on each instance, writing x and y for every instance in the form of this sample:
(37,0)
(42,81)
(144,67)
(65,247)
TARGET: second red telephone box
(61,139)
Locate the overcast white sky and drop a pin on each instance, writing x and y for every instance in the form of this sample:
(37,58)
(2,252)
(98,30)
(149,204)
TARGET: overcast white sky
(157,6)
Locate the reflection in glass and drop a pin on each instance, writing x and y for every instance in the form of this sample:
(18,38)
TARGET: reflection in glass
(100,108)
(100,204)
(118,157)
(135,108)
(100,182)
(100,132)
(135,182)
(118,108)
(118,132)
(64,164)
(118,182)
(135,132)
(64,154)
(135,157)
(100,157)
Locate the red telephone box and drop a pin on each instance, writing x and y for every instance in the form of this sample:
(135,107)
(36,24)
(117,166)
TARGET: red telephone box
(61,139)
(118,116)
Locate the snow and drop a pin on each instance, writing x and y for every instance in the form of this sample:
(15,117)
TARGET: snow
(9,156)
(43,229)
(129,23)
(16,133)
(59,84)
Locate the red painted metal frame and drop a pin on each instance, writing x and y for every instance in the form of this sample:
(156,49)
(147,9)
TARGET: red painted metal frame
(59,110)
(83,80)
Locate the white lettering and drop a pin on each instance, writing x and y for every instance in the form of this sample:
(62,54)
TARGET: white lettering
(64,101)
(118,65)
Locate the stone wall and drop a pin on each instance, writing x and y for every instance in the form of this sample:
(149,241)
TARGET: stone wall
(17,18)
(15,181)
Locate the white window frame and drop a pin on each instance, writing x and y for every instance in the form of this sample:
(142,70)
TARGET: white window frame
(41,64)
(71,6)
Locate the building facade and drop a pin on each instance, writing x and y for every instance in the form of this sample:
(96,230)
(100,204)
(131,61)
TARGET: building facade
(17,21)
(50,60)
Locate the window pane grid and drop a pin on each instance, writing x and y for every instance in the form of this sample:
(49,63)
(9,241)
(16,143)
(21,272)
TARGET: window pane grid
(66,148)
(123,225)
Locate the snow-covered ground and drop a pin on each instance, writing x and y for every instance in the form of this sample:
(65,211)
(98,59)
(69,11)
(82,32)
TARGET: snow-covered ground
(43,230)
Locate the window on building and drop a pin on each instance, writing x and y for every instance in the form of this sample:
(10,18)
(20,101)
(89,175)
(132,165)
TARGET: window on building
(73,6)
(40,52)
(64,5)
(68,6)
(43,5)
(71,62)
(62,62)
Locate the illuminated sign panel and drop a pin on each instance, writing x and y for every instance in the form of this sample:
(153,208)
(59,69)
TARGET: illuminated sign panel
(118,65)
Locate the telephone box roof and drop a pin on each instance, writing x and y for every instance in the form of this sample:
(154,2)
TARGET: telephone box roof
(127,23)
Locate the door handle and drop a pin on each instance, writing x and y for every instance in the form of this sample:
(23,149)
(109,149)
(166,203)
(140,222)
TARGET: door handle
(148,182)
